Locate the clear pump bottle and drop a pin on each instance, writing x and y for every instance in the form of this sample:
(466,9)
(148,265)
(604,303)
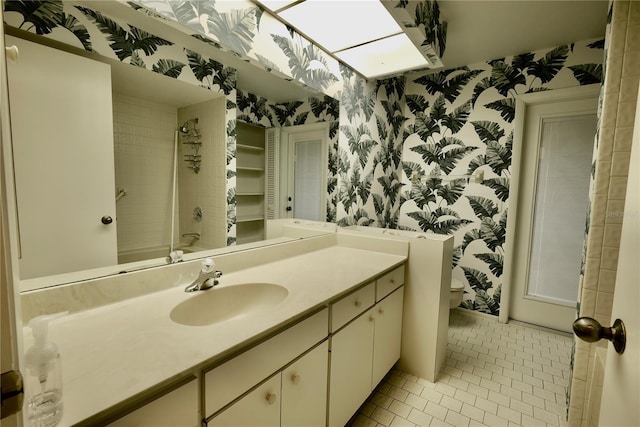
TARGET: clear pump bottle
(43,382)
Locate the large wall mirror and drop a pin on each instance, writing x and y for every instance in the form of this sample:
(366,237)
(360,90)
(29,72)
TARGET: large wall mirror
(116,166)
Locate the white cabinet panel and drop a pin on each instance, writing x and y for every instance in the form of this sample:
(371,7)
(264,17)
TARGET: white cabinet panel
(304,389)
(388,333)
(231,379)
(62,130)
(350,306)
(389,282)
(351,361)
(177,408)
(261,408)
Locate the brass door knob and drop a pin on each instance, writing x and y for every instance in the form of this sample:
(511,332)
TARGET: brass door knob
(590,330)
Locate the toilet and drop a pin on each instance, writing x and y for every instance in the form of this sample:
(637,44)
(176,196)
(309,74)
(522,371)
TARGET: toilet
(457,290)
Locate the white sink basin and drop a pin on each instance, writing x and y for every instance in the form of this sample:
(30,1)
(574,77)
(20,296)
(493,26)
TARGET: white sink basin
(227,302)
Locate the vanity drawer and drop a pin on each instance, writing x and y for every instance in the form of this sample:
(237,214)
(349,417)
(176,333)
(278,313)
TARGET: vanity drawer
(226,382)
(389,282)
(352,305)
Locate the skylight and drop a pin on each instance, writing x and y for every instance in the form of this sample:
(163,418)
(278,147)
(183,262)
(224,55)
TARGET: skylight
(360,33)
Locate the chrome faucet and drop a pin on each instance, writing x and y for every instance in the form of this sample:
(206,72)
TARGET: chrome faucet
(207,279)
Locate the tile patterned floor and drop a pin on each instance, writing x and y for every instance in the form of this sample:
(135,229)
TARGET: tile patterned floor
(495,375)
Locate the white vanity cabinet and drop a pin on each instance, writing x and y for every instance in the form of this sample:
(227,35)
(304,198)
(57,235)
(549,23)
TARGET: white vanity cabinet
(363,351)
(176,408)
(232,398)
(293,397)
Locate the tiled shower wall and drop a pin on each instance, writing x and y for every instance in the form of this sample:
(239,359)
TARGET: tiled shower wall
(205,189)
(619,95)
(143,149)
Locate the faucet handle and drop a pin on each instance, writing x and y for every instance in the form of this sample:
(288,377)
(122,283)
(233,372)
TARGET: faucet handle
(217,274)
(208,264)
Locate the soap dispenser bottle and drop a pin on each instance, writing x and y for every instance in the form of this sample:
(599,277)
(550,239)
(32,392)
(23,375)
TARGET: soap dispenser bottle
(43,382)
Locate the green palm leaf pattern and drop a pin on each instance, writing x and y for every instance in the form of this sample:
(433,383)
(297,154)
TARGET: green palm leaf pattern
(498,157)
(286,111)
(327,108)
(446,152)
(72,24)
(124,43)
(393,87)
(549,65)
(168,67)
(504,77)
(449,87)
(492,233)
(506,107)
(442,220)
(488,131)
(458,117)
(394,115)
(308,64)
(43,16)
(189,12)
(587,74)
(477,279)
(493,260)
(234,29)
(500,186)
(523,61)
(452,190)
(360,141)
(416,103)
(482,206)
(391,186)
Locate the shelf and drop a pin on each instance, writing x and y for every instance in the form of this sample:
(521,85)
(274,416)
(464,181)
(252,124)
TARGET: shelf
(249,219)
(249,147)
(249,194)
(244,168)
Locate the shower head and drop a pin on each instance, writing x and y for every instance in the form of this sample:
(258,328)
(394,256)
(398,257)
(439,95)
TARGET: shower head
(185,127)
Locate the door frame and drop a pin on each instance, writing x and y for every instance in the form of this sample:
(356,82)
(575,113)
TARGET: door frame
(285,171)
(10,309)
(522,103)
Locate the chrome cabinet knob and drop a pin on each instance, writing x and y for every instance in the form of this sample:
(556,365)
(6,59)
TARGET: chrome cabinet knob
(106,220)
(590,330)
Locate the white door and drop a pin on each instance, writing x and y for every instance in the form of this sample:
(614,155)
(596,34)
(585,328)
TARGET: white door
(553,165)
(621,388)
(62,132)
(305,174)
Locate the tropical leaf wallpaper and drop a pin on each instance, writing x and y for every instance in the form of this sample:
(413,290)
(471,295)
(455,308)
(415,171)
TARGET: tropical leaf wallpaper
(243,29)
(401,146)
(261,112)
(460,122)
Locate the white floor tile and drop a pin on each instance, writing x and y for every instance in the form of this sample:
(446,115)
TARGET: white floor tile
(496,375)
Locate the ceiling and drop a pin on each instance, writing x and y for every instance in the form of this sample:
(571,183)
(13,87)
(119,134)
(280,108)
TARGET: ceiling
(481,30)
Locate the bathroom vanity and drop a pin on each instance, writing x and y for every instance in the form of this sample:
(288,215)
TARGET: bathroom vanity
(330,319)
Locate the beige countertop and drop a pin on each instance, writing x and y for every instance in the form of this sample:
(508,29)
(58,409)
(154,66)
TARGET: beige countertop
(115,352)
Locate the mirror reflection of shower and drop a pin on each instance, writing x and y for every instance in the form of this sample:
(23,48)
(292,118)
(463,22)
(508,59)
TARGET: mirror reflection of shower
(191,135)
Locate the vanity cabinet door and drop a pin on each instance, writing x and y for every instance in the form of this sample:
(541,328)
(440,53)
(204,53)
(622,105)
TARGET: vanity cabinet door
(261,407)
(176,408)
(351,361)
(388,331)
(304,389)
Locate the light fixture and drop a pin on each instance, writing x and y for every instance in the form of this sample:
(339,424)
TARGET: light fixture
(360,33)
